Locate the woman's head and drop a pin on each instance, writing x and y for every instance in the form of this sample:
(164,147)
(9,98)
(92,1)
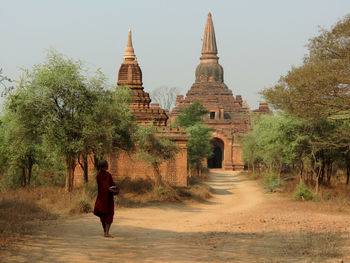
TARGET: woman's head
(102,165)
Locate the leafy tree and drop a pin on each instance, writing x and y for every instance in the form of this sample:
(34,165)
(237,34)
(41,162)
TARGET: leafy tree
(55,111)
(22,135)
(3,152)
(155,150)
(64,98)
(199,146)
(281,141)
(320,87)
(109,127)
(318,93)
(3,82)
(191,115)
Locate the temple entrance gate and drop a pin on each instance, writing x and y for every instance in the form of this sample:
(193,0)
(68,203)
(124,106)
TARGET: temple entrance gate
(218,153)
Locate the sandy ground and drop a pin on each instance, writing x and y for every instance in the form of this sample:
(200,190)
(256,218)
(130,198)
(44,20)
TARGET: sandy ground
(240,223)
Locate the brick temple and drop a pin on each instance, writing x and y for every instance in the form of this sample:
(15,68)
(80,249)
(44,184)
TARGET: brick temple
(229,115)
(122,164)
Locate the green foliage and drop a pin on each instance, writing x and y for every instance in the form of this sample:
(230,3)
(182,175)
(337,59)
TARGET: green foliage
(58,115)
(160,190)
(191,115)
(155,149)
(273,141)
(199,146)
(271,181)
(110,126)
(302,192)
(319,88)
(281,142)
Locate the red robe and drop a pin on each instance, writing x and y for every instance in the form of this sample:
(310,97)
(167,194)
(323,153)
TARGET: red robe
(104,205)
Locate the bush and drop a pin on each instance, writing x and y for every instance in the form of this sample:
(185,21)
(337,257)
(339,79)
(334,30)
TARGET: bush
(302,192)
(140,185)
(90,189)
(84,205)
(256,176)
(271,181)
(160,190)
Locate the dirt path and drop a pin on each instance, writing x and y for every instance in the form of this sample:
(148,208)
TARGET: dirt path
(239,224)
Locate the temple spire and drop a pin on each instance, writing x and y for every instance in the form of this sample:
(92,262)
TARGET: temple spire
(209,50)
(129,54)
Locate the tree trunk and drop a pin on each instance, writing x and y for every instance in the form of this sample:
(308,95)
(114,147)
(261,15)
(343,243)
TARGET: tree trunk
(84,165)
(301,169)
(70,167)
(317,183)
(347,175)
(96,162)
(329,173)
(279,172)
(157,176)
(30,169)
(23,176)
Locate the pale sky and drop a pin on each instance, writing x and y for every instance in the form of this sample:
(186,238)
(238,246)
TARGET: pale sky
(257,41)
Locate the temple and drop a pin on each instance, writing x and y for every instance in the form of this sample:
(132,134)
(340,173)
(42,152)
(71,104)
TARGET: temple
(130,75)
(123,164)
(229,115)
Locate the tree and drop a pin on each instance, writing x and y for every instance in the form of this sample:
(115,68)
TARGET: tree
(22,134)
(282,141)
(320,87)
(109,128)
(199,146)
(318,92)
(3,80)
(155,150)
(56,110)
(165,96)
(191,115)
(64,98)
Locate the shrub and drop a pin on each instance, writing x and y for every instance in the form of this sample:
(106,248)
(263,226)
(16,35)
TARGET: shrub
(90,189)
(271,181)
(84,205)
(160,190)
(140,186)
(302,192)
(256,176)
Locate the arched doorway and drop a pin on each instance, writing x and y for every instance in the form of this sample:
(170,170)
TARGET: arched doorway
(218,153)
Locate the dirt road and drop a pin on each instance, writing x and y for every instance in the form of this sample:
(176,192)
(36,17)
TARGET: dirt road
(239,224)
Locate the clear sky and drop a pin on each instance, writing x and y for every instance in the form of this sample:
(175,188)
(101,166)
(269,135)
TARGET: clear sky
(257,40)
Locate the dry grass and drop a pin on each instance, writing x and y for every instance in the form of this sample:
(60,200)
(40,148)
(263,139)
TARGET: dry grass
(18,212)
(136,193)
(334,198)
(316,246)
(20,209)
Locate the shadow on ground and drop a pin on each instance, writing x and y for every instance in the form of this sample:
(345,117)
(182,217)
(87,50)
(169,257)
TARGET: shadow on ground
(133,244)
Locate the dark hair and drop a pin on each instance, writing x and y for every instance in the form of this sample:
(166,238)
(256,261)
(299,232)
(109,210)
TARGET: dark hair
(102,164)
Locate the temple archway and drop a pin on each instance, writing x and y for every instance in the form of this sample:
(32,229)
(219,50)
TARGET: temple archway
(218,153)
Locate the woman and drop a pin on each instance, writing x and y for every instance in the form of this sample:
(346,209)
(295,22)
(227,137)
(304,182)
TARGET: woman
(104,206)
